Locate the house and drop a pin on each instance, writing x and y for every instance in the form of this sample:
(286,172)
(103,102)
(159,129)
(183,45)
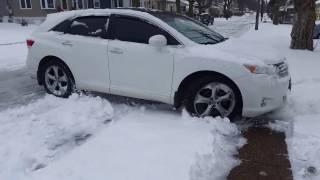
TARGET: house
(170,5)
(36,10)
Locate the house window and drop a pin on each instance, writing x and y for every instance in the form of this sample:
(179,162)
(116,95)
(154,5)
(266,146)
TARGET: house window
(64,4)
(96,3)
(77,4)
(47,4)
(120,3)
(25,4)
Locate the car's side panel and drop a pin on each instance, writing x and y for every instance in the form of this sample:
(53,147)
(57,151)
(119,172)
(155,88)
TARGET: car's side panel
(88,58)
(187,63)
(141,71)
(85,56)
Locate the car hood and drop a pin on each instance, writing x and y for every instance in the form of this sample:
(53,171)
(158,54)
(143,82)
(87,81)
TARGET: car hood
(239,52)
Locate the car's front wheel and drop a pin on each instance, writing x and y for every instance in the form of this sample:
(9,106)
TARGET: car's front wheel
(57,79)
(210,96)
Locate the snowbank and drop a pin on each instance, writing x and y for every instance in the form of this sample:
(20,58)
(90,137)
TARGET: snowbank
(147,144)
(33,135)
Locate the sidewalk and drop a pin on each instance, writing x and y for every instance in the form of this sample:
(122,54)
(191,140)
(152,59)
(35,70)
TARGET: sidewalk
(265,157)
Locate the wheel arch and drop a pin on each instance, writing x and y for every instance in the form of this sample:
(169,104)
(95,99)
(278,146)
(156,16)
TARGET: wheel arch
(180,92)
(46,60)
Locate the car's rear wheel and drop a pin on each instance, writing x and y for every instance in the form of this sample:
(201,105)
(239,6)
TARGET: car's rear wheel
(214,97)
(57,79)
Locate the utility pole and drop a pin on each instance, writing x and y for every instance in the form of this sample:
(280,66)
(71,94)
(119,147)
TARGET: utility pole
(257,15)
(262,10)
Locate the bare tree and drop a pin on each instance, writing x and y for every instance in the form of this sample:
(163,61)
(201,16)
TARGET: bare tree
(178,6)
(204,4)
(304,22)
(275,6)
(135,3)
(191,5)
(227,8)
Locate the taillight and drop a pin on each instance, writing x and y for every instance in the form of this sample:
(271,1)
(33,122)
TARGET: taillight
(30,42)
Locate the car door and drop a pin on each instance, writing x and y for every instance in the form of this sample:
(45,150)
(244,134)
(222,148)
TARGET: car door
(136,68)
(87,44)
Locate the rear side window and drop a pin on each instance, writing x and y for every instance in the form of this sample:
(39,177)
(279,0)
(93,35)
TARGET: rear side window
(62,27)
(94,26)
(135,30)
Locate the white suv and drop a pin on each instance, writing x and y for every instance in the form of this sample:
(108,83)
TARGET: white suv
(155,56)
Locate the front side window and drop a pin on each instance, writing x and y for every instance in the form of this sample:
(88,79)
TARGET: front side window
(25,4)
(135,30)
(47,4)
(94,26)
(191,29)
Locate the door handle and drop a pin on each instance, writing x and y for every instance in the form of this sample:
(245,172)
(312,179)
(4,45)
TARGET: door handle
(67,43)
(116,51)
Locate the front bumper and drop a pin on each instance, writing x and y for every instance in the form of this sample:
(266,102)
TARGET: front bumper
(263,93)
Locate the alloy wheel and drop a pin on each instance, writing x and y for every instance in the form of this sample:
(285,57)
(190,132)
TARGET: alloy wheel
(56,80)
(215,99)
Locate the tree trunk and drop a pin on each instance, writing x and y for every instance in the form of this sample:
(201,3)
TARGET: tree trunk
(190,13)
(178,6)
(275,13)
(303,27)
(257,16)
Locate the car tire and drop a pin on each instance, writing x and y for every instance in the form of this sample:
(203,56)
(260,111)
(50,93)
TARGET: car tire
(200,88)
(57,79)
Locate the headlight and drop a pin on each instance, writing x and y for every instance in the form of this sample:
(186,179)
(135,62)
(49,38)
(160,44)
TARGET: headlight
(258,69)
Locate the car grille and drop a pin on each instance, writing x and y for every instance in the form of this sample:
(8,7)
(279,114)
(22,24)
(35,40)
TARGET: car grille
(282,69)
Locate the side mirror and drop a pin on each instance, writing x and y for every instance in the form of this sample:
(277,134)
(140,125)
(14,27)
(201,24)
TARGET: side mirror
(158,41)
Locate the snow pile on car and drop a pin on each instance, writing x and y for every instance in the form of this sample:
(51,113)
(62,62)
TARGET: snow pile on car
(33,135)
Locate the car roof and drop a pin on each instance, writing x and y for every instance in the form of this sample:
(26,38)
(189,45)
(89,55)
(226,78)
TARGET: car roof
(56,18)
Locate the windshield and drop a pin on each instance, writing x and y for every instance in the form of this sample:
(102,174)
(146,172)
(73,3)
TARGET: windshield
(192,29)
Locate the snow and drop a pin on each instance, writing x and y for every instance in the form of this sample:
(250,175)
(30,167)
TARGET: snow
(86,137)
(76,23)
(227,27)
(33,135)
(300,118)
(152,145)
(13,49)
(89,137)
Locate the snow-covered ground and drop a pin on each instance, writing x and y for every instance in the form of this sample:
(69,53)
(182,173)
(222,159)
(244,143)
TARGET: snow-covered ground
(233,27)
(301,117)
(94,137)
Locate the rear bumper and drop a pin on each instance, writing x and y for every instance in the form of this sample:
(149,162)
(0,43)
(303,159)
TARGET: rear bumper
(262,94)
